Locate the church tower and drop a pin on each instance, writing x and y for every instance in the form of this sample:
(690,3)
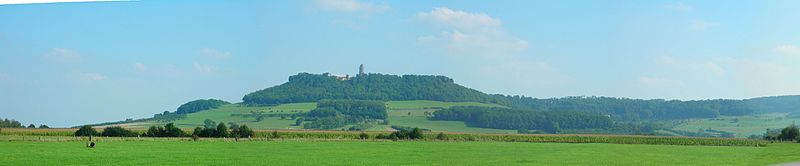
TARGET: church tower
(361,70)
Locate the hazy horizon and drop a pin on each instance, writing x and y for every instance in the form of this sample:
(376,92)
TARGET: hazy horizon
(66,64)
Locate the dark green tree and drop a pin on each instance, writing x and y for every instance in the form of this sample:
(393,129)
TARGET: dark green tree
(32,126)
(789,133)
(86,131)
(208,123)
(222,130)
(117,131)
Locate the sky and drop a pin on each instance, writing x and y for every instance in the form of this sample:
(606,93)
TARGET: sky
(66,64)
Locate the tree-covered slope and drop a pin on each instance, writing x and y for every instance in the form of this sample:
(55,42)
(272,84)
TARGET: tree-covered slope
(775,104)
(305,87)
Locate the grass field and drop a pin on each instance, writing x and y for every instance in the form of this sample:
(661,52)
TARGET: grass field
(384,153)
(743,126)
(398,115)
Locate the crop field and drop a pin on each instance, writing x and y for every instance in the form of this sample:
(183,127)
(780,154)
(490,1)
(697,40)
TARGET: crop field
(742,126)
(309,152)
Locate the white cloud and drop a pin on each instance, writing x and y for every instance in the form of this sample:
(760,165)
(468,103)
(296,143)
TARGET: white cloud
(657,82)
(701,25)
(351,6)
(667,60)
(763,78)
(477,44)
(469,34)
(679,6)
(788,50)
(204,68)
(94,76)
(459,19)
(62,55)
(704,68)
(214,54)
(139,67)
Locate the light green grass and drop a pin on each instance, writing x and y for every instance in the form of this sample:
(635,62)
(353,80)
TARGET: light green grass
(399,116)
(225,112)
(384,153)
(746,125)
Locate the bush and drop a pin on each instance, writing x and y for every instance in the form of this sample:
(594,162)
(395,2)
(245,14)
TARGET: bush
(363,136)
(414,133)
(86,131)
(441,136)
(116,131)
(275,134)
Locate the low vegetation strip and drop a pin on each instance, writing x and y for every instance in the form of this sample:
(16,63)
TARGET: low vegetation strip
(53,135)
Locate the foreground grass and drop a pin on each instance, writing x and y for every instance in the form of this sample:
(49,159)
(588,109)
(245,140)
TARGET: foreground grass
(384,153)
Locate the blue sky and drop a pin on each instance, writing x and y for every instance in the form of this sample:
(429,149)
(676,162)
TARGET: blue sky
(65,64)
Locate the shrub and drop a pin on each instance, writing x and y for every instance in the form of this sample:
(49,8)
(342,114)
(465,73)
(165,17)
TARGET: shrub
(363,136)
(441,136)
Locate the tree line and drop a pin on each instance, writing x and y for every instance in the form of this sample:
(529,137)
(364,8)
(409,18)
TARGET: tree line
(626,109)
(10,123)
(169,130)
(505,118)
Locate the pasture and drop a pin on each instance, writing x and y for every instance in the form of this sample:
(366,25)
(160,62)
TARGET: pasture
(310,152)
(742,126)
(398,116)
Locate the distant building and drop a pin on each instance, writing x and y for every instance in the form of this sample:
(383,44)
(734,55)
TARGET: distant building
(342,78)
(361,70)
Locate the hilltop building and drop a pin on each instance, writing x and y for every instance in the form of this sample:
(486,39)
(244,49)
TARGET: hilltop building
(361,69)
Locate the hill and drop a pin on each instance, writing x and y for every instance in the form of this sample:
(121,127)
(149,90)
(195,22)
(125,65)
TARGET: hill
(277,107)
(305,87)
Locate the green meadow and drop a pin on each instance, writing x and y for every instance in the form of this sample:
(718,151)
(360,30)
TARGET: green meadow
(742,126)
(299,152)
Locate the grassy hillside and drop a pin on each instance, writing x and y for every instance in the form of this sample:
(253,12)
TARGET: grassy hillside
(383,153)
(742,126)
(398,116)
(225,114)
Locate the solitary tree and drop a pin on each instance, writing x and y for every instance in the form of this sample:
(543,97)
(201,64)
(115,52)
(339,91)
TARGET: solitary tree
(32,126)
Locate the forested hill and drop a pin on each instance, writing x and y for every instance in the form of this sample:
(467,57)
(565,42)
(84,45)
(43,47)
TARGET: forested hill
(305,87)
